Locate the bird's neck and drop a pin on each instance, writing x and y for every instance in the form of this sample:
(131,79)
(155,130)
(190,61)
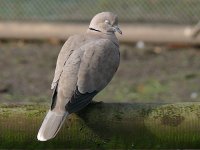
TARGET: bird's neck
(109,35)
(95,30)
(100,31)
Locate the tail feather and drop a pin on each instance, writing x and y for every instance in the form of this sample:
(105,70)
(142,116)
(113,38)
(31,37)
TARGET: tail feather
(51,125)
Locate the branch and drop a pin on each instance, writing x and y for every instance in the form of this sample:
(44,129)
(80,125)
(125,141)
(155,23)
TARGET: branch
(106,125)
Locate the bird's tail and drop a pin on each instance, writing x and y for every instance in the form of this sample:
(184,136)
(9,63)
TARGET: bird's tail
(51,125)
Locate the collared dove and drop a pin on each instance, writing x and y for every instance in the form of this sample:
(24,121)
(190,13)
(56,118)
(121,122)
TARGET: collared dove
(85,65)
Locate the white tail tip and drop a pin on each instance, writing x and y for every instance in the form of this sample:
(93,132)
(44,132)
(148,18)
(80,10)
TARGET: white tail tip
(51,125)
(41,138)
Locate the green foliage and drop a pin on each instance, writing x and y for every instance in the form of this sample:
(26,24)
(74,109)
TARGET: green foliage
(145,91)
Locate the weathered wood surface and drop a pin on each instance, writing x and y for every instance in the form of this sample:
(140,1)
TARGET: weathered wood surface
(131,32)
(106,125)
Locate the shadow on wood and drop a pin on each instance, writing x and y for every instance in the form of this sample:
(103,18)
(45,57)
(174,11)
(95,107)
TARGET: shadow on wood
(106,125)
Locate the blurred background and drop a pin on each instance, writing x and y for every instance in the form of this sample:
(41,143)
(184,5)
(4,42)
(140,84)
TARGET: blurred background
(160,53)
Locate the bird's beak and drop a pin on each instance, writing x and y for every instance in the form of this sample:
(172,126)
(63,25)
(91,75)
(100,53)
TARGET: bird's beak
(116,28)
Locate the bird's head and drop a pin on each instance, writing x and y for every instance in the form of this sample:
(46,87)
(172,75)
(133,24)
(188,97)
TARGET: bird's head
(105,22)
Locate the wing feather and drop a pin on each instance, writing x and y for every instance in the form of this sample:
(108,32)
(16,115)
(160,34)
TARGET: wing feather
(98,65)
(87,71)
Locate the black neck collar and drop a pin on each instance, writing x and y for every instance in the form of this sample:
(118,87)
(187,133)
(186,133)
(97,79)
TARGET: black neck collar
(94,29)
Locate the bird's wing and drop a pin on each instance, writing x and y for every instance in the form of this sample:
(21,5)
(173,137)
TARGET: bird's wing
(87,71)
(67,49)
(98,64)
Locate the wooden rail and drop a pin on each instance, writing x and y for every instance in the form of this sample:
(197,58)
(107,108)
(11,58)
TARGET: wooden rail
(105,125)
(131,32)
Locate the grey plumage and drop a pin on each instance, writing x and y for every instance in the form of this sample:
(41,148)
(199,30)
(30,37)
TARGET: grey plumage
(51,125)
(85,65)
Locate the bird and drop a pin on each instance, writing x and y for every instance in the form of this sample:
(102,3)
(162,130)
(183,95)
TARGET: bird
(85,65)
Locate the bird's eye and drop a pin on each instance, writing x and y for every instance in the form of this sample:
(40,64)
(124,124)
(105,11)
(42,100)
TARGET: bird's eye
(107,21)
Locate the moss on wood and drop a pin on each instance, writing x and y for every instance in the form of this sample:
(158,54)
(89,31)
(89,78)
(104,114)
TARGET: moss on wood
(106,125)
